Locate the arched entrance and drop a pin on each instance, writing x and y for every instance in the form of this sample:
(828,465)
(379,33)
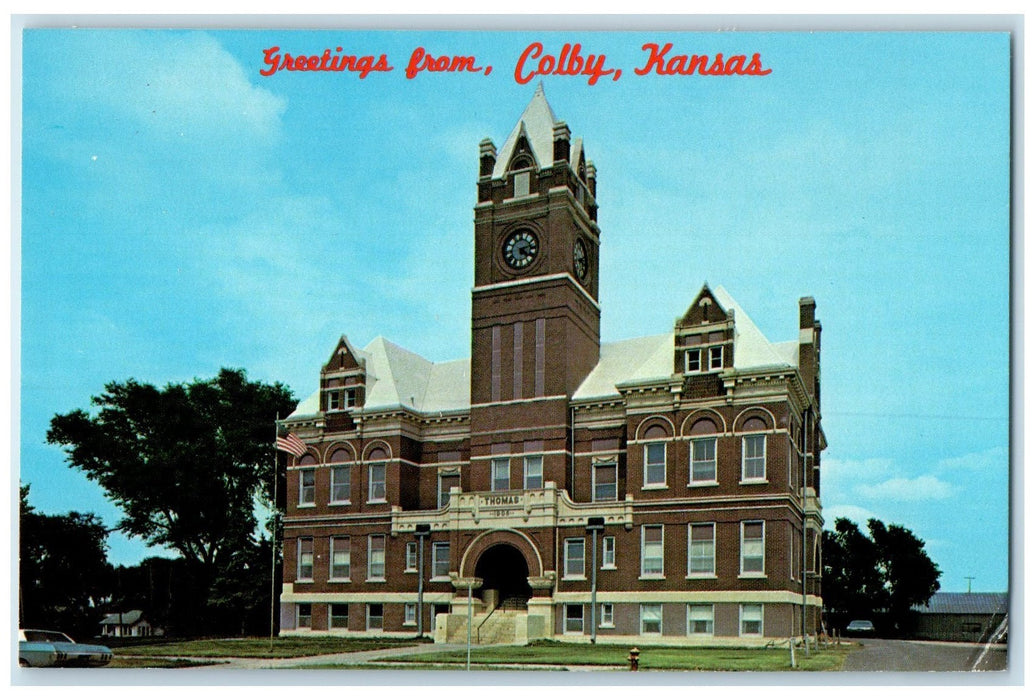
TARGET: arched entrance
(504,573)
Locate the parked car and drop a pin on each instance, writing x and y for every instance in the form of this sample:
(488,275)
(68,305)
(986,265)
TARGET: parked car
(48,648)
(859,628)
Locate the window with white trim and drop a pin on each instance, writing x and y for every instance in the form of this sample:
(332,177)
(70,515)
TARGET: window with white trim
(409,614)
(605,482)
(652,551)
(607,615)
(440,560)
(339,616)
(500,473)
(446,482)
(715,357)
(650,618)
(575,558)
(411,556)
(534,472)
(692,361)
(751,620)
(341,484)
(654,464)
(608,559)
(305,559)
(377,492)
(752,548)
(700,619)
(350,398)
(521,183)
(307,487)
(702,460)
(341,558)
(375,616)
(574,618)
(304,615)
(376,558)
(702,550)
(753,460)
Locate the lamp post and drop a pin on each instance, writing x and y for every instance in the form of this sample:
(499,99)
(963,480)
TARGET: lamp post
(422,530)
(594,525)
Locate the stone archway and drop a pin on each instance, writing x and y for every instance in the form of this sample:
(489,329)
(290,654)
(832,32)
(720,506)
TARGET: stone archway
(504,574)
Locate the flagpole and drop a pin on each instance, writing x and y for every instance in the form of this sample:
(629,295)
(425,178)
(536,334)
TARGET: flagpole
(273,536)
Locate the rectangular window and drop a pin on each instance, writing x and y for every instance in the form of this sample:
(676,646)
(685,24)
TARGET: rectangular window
(700,619)
(751,620)
(375,616)
(444,484)
(500,475)
(692,360)
(305,559)
(339,613)
(540,357)
(608,561)
(519,358)
(715,357)
(497,361)
(654,464)
(605,482)
(650,618)
(307,487)
(754,458)
(377,491)
(341,558)
(376,558)
(607,615)
(575,558)
(304,612)
(333,400)
(350,398)
(410,614)
(702,550)
(440,560)
(534,472)
(652,559)
(752,548)
(411,556)
(341,484)
(573,618)
(702,460)
(521,182)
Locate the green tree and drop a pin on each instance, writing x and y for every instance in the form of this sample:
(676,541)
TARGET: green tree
(185,463)
(64,574)
(880,576)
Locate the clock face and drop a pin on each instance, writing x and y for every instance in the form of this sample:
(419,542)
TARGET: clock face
(520,249)
(580,260)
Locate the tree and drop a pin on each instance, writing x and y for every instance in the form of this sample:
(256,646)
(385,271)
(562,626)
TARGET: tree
(882,575)
(64,573)
(185,463)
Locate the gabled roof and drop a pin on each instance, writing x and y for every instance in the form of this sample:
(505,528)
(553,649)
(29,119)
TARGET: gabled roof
(130,617)
(536,122)
(965,604)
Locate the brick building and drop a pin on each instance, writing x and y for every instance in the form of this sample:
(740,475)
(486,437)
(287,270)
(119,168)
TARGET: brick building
(685,465)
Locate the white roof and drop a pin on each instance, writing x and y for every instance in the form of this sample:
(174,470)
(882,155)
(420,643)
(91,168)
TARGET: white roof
(537,124)
(398,377)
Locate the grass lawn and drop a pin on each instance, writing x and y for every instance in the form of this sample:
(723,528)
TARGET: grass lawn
(143,662)
(651,658)
(259,647)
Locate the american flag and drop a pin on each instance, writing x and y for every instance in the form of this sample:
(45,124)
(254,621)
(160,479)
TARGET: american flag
(291,443)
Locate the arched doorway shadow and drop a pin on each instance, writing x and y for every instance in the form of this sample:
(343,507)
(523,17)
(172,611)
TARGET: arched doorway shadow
(504,574)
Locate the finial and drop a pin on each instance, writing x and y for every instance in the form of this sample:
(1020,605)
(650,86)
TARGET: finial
(539,89)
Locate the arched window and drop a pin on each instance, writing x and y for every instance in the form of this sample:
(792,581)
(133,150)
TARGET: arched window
(703,448)
(341,476)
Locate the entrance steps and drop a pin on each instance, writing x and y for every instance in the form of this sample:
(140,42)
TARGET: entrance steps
(500,626)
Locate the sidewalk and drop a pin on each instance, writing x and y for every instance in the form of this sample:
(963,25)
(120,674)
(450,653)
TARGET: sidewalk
(346,659)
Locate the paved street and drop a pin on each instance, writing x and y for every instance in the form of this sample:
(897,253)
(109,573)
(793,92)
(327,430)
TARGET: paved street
(898,655)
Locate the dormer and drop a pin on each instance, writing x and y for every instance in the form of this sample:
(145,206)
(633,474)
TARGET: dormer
(704,336)
(343,379)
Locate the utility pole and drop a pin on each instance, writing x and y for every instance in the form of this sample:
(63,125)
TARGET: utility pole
(594,525)
(422,530)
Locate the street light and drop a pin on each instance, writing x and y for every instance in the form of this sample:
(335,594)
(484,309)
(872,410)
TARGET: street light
(422,530)
(594,525)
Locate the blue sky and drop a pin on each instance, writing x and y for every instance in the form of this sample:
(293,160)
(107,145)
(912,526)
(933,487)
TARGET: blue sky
(182,212)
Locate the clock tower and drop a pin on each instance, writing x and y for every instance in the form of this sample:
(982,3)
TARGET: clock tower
(535,317)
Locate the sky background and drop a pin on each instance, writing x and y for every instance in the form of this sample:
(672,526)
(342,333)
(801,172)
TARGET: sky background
(182,213)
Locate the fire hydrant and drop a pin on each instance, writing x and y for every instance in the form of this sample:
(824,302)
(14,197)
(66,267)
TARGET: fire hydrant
(634,659)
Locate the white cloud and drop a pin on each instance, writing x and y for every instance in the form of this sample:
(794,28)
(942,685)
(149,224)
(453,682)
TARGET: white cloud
(856,514)
(922,488)
(859,469)
(994,459)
